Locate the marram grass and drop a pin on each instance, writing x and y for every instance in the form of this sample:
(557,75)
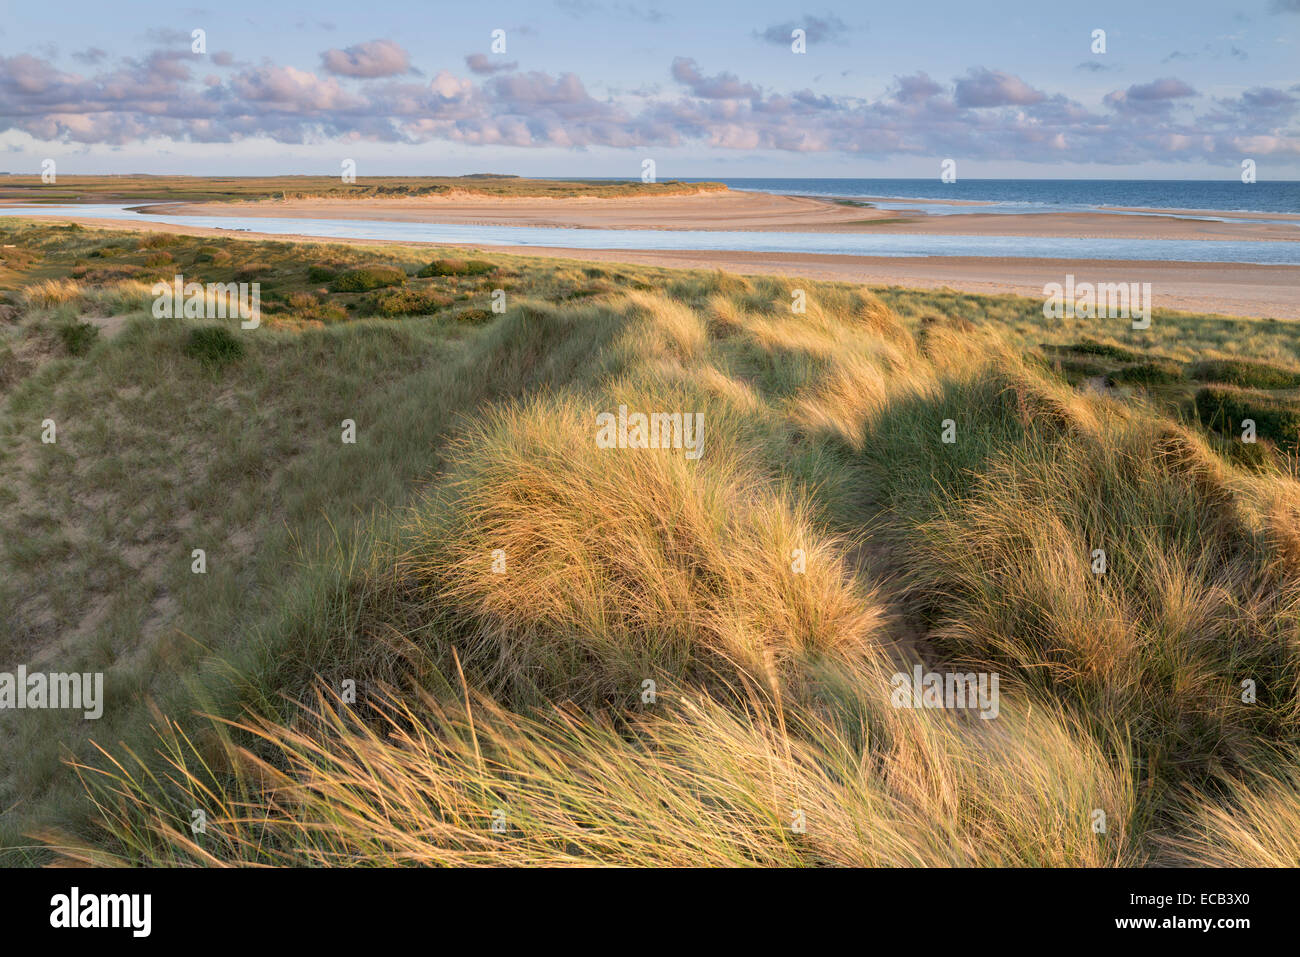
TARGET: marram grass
(569,655)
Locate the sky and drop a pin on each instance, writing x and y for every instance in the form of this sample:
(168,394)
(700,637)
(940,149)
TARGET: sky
(1184,90)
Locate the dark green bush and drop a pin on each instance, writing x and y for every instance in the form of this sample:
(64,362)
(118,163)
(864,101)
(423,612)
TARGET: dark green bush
(321,273)
(1224,409)
(211,254)
(1239,372)
(1092,347)
(213,345)
(1148,373)
(368,278)
(457,267)
(78,337)
(409,302)
(1075,369)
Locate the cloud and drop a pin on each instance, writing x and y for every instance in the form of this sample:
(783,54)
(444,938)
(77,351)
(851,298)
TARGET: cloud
(1156,97)
(1167,88)
(984,88)
(1266,98)
(29,76)
(1215,50)
(1262,99)
(584,9)
(827,29)
(159,96)
(290,90)
(915,88)
(1285,6)
(539,89)
(374,58)
(447,86)
(480,64)
(721,86)
(91,55)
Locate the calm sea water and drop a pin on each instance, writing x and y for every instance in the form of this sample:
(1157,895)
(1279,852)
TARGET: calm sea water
(1049,195)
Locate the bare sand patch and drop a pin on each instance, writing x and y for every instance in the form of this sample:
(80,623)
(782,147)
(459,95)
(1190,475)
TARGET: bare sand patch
(747,212)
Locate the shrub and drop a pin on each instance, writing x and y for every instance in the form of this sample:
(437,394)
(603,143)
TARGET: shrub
(321,273)
(1073,370)
(211,254)
(1148,373)
(1091,347)
(160,259)
(78,337)
(474,316)
(159,240)
(1224,409)
(109,274)
(409,302)
(253,271)
(1256,375)
(368,278)
(307,306)
(213,345)
(457,267)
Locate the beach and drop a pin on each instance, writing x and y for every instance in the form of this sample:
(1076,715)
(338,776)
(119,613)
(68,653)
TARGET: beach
(757,212)
(1225,288)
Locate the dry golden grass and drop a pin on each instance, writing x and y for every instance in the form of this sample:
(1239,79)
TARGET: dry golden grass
(686,781)
(825,538)
(51,292)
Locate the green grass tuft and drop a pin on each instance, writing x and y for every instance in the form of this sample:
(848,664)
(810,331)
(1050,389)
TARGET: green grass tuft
(214,346)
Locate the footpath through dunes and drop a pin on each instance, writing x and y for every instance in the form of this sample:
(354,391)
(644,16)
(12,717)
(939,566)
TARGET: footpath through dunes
(498,586)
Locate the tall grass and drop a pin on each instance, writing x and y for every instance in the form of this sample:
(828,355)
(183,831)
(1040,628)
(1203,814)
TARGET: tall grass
(685,782)
(629,656)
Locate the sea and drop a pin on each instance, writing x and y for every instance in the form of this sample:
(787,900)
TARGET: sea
(1043,195)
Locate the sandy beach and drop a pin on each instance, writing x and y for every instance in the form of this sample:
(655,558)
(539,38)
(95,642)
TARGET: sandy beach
(759,212)
(1233,289)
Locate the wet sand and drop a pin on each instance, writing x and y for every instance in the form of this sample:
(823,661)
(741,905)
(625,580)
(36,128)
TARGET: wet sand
(1232,289)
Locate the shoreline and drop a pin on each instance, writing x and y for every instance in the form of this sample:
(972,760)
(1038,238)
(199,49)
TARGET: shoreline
(755,212)
(1229,289)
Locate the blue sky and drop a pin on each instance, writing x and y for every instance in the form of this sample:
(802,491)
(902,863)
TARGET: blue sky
(593,87)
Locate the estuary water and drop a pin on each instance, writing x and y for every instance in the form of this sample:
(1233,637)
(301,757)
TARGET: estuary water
(853,244)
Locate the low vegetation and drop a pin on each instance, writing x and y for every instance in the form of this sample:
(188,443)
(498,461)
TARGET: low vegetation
(474,636)
(368,278)
(122,189)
